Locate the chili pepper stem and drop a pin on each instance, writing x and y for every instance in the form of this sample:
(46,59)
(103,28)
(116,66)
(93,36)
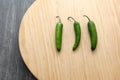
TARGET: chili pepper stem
(71,18)
(87,17)
(58,18)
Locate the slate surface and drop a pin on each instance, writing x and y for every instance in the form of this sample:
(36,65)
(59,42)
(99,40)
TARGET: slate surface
(12,66)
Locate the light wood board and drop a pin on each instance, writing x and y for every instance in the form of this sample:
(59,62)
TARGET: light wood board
(37,40)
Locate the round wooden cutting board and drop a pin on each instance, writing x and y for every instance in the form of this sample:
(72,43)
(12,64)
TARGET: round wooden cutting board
(37,40)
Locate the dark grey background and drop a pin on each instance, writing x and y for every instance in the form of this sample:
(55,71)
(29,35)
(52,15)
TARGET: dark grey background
(12,66)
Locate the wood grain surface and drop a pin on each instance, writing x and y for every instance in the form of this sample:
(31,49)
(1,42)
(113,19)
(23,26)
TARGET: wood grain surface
(12,66)
(37,40)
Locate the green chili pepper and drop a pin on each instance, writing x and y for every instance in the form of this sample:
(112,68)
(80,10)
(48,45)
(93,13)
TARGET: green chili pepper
(77,30)
(93,33)
(58,34)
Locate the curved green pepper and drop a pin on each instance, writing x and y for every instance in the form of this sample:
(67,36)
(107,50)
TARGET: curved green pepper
(77,30)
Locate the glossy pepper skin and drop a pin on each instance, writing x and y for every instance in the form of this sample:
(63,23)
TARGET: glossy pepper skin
(93,33)
(77,31)
(58,35)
